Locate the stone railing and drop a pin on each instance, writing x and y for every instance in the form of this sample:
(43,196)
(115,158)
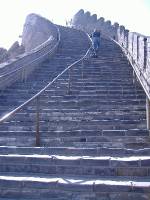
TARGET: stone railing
(20,67)
(137,50)
(135,46)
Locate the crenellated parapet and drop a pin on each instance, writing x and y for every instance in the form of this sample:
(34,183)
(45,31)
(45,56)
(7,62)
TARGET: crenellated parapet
(135,46)
(87,22)
(79,17)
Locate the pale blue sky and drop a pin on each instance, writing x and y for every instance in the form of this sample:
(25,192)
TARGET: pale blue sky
(134,14)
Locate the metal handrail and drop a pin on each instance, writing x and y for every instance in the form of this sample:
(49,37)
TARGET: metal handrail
(41,91)
(51,51)
(36,96)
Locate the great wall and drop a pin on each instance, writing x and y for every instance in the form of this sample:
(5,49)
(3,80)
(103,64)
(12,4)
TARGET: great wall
(73,127)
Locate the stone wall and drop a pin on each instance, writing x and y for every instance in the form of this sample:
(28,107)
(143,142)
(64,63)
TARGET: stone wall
(22,65)
(14,51)
(134,45)
(36,31)
(3,55)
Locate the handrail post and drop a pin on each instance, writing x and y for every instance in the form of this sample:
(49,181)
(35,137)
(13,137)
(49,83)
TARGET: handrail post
(82,66)
(23,75)
(148,112)
(145,52)
(69,81)
(37,139)
(134,77)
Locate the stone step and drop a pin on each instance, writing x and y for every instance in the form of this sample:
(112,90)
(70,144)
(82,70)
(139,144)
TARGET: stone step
(63,138)
(22,199)
(131,109)
(81,91)
(81,97)
(84,87)
(81,88)
(55,116)
(76,107)
(99,83)
(96,102)
(72,151)
(23,186)
(78,142)
(76,165)
(82,133)
(79,81)
(57,99)
(133,145)
(63,126)
(112,74)
(102,76)
(81,144)
(104,66)
(75,123)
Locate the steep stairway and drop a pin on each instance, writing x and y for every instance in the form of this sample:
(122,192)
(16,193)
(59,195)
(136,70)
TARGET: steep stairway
(70,49)
(94,144)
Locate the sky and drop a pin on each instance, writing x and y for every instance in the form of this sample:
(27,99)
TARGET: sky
(133,14)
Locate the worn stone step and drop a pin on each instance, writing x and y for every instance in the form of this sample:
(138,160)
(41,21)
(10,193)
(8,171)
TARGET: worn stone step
(82,102)
(133,145)
(77,138)
(74,91)
(76,165)
(62,139)
(134,109)
(75,123)
(53,197)
(81,95)
(83,133)
(72,188)
(109,87)
(72,151)
(55,116)
(84,120)
(57,126)
(77,142)
(99,83)
(75,86)
(21,199)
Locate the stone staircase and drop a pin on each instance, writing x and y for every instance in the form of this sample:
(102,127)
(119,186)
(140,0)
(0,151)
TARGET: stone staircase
(70,49)
(93,139)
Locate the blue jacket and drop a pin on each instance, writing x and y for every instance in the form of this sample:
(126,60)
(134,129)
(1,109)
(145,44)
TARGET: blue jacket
(96,34)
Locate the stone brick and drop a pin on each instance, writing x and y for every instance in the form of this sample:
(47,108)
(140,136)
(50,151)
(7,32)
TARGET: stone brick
(94,162)
(145,163)
(132,172)
(121,163)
